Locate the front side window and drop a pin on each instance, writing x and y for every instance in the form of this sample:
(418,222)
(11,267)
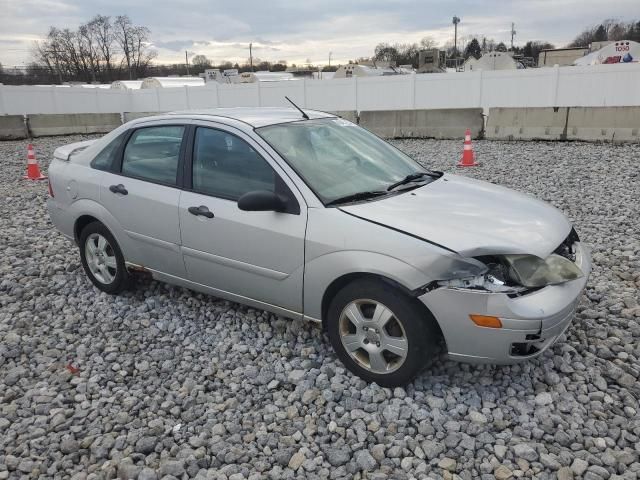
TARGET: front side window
(337,158)
(226,166)
(152,154)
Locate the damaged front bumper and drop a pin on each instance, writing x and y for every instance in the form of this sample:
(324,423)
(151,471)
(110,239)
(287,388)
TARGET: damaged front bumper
(530,323)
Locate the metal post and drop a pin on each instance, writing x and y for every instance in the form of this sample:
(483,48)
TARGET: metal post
(251,55)
(456,21)
(513,33)
(455,38)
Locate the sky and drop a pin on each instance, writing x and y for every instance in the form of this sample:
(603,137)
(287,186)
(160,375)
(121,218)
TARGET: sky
(306,30)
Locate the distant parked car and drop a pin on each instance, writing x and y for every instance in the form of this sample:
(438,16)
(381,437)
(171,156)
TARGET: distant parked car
(316,218)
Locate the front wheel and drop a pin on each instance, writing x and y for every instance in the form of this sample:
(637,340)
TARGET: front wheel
(102,259)
(379,333)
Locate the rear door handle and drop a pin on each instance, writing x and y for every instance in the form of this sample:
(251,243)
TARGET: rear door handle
(201,210)
(118,189)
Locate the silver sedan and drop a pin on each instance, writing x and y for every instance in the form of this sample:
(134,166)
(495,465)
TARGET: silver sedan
(311,217)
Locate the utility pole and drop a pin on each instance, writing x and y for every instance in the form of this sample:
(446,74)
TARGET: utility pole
(456,21)
(330,58)
(186,61)
(251,55)
(513,33)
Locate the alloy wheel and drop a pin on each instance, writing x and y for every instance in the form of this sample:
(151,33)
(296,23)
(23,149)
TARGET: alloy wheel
(101,258)
(373,336)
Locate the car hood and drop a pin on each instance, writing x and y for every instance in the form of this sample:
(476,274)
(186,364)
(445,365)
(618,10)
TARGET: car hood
(470,217)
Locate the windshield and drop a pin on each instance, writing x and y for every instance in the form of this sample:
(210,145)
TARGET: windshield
(337,158)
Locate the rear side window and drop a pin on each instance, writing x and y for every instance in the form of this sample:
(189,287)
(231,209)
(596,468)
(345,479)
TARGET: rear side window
(152,154)
(228,167)
(104,160)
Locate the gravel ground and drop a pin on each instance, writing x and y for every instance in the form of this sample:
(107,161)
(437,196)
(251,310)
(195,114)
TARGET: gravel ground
(164,382)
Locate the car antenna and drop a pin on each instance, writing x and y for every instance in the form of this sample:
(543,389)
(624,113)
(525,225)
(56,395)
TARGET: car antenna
(304,115)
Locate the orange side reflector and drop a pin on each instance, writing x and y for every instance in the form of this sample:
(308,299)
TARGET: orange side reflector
(486,321)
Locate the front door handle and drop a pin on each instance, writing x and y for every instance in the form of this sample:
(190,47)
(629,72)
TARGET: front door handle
(118,189)
(201,210)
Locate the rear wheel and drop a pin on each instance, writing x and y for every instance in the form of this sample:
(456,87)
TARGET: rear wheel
(102,259)
(379,333)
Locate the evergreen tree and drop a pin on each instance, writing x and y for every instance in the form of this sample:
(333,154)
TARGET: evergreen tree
(473,49)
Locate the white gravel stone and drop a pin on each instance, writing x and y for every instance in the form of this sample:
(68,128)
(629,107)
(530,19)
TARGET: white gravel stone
(544,398)
(526,452)
(364,460)
(171,382)
(502,473)
(579,466)
(500,451)
(477,417)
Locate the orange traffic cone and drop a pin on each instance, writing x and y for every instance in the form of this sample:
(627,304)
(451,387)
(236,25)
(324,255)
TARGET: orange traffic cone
(33,170)
(468,157)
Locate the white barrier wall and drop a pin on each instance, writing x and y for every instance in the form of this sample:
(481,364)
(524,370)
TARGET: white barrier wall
(597,85)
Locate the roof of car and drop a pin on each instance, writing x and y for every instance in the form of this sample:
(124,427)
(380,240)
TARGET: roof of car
(257,116)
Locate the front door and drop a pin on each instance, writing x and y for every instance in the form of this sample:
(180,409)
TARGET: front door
(254,255)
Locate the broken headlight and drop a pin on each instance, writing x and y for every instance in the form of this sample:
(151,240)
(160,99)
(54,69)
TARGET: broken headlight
(518,273)
(495,279)
(531,271)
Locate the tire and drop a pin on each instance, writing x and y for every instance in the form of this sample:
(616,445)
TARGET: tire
(105,265)
(391,351)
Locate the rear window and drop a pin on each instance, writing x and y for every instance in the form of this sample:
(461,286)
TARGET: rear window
(152,154)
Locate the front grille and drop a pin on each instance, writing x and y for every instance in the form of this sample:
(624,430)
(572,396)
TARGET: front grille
(524,349)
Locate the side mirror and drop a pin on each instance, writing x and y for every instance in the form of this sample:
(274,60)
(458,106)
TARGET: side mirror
(261,201)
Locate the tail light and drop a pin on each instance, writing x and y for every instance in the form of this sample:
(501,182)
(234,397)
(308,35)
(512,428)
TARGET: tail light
(50,189)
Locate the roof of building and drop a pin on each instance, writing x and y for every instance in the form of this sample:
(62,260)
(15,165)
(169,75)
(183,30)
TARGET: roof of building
(563,49)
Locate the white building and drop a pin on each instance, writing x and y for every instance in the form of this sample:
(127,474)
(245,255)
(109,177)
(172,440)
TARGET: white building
(492,61)
(355,70)
(172,82)
(622,51)
(126,84)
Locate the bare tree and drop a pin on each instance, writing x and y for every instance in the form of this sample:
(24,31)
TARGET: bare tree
(43,53)
(99,50)
(618,31)
(427,43)
(123,34)
(201,61)
(133,41)
(386,52)
(88,46)
(102,30)
(397,54)
(142,55)
(60,49)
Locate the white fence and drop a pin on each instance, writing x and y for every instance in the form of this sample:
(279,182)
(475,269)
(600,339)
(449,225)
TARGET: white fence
(598,85)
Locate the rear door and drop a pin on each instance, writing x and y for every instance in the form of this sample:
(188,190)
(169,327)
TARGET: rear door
(252,255)
(142,193)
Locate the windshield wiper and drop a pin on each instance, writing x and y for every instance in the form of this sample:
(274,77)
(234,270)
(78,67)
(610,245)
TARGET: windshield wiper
(356,196)
(410,178)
